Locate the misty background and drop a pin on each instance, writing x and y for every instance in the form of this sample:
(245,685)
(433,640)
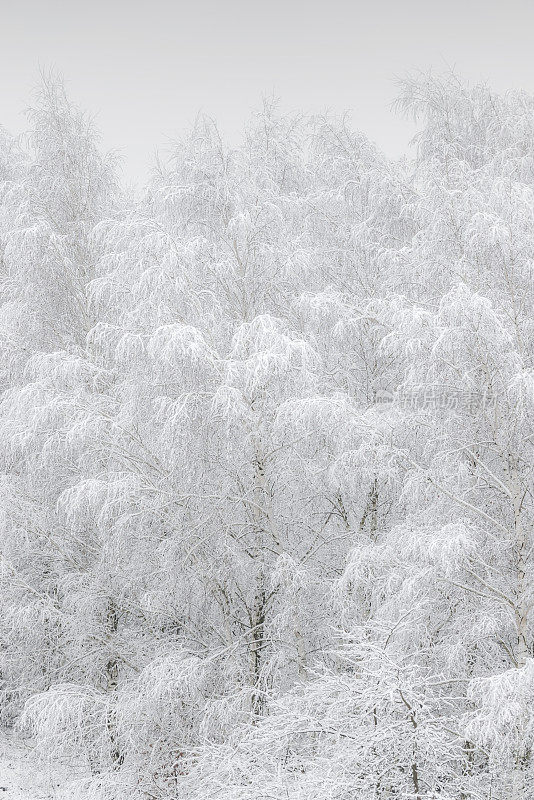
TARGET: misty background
(146,69)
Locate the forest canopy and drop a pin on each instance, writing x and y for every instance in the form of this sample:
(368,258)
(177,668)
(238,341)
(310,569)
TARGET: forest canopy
(266,455)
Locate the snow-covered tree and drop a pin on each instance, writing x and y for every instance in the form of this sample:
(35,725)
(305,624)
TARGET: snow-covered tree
(55,187)
(266,453)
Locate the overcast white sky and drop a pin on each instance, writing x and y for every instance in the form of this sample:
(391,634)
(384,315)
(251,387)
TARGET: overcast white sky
(145,68)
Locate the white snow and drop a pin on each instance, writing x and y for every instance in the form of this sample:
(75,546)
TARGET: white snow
(26,776)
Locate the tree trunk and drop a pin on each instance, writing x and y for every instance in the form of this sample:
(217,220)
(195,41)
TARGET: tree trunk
(521,620)
(112,682)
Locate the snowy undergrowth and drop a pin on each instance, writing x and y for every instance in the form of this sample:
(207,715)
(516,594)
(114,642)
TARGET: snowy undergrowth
(26,776)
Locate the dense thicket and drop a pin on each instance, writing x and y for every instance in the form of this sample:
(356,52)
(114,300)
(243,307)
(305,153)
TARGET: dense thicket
(266,456)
